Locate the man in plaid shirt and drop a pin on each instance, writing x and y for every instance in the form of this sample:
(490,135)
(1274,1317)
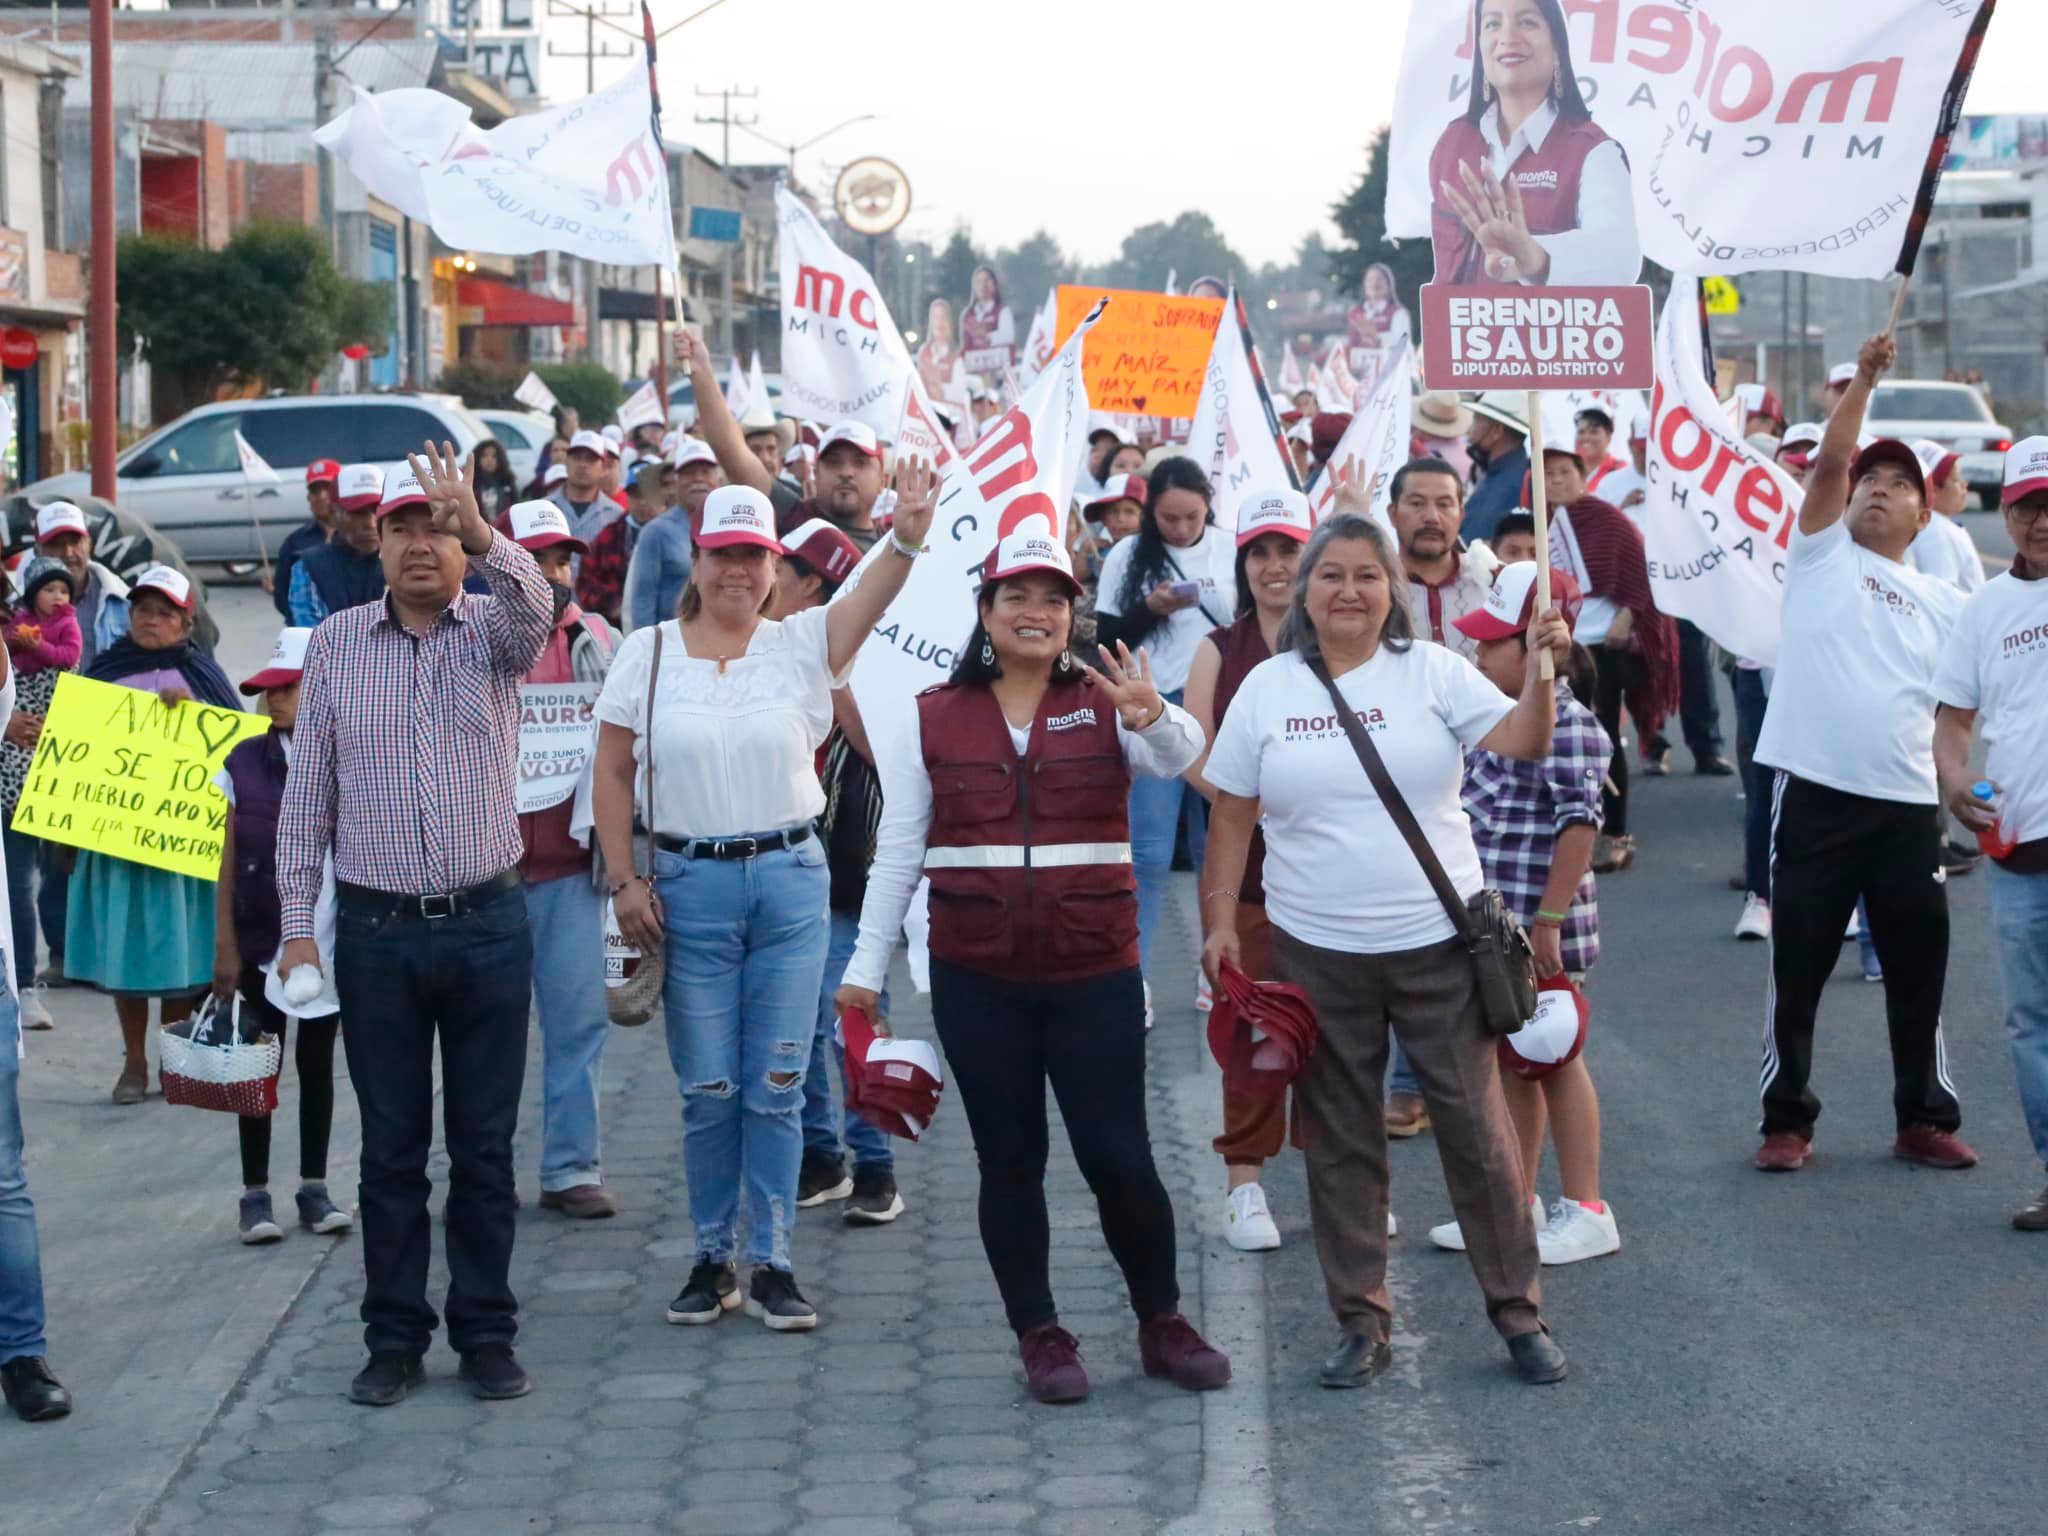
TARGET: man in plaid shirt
(403,763)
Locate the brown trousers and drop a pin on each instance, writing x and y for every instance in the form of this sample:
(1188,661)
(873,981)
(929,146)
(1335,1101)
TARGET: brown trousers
(1253,1129)
(1430,999)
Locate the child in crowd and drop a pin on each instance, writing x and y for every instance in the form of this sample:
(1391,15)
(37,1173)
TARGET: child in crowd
(43,633)
(1534,825)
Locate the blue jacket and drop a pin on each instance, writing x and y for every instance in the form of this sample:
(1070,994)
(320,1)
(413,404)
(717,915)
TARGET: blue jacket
(1494,497)
(661,566)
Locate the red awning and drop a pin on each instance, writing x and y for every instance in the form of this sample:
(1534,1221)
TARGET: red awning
(486,301)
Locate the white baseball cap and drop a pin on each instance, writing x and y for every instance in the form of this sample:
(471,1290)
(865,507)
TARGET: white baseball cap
(613,433)
(1800,434)
(1557,442)
(164,581)
(737,514)
(402,489)
(1284,511)
(555,474)
(60,517)
(2026,469)
(538,525)
(1030,546)
(858,433)
(1842,373)
(799,453)
(591,442)
(694,450)
(1120,488)
(359,486)
(287,661)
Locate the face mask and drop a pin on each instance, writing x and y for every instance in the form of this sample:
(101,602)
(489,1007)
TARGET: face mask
(563,598)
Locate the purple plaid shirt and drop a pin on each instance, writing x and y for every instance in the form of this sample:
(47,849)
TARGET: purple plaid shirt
(403,756)
(1517,809)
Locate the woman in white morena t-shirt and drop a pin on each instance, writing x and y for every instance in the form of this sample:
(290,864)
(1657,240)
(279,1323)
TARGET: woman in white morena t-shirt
(1356,923)
(741,705)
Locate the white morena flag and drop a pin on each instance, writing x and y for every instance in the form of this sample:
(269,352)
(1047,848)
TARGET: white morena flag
(1378,437)
(1342,382)
(586,177)
(1760,137)
(641,407)
(1038,343)
(1717,516)
(842,356)
(757,385)
(1235,435)
(1292,380)
(533,391)
(254,465)
(739,395)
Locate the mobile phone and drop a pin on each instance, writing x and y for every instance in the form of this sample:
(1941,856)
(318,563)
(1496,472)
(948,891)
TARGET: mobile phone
(1187,589)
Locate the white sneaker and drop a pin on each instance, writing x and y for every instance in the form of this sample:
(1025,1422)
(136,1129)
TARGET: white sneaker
(35,1013)
(1246,1221)
(1577,1233)
(1204,998)
(1755,922)
(1855,927)
(1448,1236)
(1148,1007)
(1393,1226)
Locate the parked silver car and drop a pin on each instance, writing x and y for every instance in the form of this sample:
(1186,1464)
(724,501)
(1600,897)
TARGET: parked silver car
(186,479)
(1953,415)
(523,434)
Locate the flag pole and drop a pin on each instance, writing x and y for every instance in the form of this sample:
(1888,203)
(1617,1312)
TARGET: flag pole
(1540,505)
(1891,326)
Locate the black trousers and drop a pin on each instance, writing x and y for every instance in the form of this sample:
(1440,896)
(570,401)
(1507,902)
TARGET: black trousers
(1619,671)
(1827,850)
(1699,707)
(402,981)
(314,1058)
(1004,1041)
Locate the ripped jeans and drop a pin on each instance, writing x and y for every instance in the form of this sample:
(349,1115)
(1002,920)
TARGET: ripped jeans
(746,956)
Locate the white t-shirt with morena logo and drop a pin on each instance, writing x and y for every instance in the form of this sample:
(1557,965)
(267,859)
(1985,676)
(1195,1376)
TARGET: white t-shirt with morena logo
(1852,704)
(1339,875)
(1212,563)
(1997,664)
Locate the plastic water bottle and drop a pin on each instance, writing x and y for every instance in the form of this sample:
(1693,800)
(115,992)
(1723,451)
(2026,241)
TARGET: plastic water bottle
(1992,839)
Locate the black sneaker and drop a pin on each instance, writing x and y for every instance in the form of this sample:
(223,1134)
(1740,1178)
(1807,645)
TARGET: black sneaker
(386,1379)
(1538,1357)
(821,1179)
(711,1290)
(774,1298)
(493,1374)
(874,1199)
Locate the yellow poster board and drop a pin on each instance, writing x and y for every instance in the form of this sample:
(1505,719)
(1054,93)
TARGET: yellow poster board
(1722,296)
(1148,354)
(117,772)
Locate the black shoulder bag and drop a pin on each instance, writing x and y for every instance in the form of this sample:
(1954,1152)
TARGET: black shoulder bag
(1502,961)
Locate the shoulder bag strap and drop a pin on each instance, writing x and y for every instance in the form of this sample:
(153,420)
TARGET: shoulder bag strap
(653,676)
(1397,807)
(1200,602)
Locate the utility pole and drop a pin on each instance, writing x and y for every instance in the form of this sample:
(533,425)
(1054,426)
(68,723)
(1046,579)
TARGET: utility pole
(323,109)
(728,122)
(594,16)
(105,355)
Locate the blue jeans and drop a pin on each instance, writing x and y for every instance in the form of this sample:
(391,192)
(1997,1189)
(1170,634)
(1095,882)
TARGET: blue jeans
(568,993)
(21,901)
(1156,808)
(746,943)
(1866,946)
(1401,1076)
(21,1256)
(2019,912)
(870,1147)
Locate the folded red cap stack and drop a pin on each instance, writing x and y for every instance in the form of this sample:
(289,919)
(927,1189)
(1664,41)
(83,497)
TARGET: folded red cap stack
(1261,1033)
(892,1084)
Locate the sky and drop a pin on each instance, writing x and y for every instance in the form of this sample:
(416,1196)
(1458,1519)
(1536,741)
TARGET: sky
(1090,117)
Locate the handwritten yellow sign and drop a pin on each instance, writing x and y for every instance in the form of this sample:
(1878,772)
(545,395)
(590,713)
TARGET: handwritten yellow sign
(117,772)
(1149,352)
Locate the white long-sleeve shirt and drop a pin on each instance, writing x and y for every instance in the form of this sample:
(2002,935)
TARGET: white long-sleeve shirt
(1168,746)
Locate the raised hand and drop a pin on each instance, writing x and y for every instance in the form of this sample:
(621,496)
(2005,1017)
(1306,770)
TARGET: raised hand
(1127,680)
(1877,357)
(450,486)
(1491,211)
(917,497)
(1352,490)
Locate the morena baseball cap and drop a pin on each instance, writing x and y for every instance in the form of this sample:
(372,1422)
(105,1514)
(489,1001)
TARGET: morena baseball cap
(1030,546)
(2026,470)
(555,474)
(1120,488)
(1328,428)
(320,470)
(1283,511)
(166,583)
(824,547)
(359,486)
(1553,1036)
(858,433)
(587,441)
(538,525)
(1759,400)
(287,662)
(694,450)
(1510,604)
(60,517)
(737,514)
(1842,373)
(1568,446)
(1889,450)
(402,489)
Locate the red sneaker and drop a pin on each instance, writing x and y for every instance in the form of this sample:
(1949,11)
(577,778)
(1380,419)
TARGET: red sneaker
(1053,1372)
(1931,1145)
(1784,1152)
(1170,1347)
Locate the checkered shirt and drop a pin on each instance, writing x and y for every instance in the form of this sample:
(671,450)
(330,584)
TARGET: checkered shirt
(1517,810)
(404,756)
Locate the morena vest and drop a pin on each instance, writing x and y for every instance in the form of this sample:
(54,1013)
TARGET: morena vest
(257,770)
(1547,178)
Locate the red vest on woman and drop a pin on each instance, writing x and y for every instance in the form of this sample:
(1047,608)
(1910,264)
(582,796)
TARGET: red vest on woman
(1242,647)
(1547,178)
(1029,857)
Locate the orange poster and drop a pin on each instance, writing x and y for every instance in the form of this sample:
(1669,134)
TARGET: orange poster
(1147,354)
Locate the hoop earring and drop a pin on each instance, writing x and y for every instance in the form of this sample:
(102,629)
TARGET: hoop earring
(988,651)
(1065,665)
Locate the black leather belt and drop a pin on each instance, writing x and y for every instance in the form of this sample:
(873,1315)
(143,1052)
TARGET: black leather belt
(731,847)
(428,908)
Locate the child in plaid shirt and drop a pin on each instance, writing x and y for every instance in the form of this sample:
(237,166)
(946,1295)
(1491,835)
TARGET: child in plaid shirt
(1534,825)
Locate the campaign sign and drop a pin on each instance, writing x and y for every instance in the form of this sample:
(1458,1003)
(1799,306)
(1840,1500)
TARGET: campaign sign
(1516,336)
(557,734)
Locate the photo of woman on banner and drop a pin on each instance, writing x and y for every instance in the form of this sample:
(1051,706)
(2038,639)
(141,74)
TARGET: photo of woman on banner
(1375,324)
(988,331)
(938,359)
(1527,188)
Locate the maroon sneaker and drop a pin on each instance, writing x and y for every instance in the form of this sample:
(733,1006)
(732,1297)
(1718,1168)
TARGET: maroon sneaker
(1052,1364)
(585,1202)
(1931,1145)
(1784,1152)
(1170,1347)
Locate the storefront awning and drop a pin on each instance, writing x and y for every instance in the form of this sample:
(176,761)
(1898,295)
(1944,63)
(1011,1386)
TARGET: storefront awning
(486,301)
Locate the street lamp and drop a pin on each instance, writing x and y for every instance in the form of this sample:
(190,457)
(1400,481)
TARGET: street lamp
(792,149)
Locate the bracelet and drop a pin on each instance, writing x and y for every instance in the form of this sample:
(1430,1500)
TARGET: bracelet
(629,880)
(1545,915)
(907,551)
(1219,891)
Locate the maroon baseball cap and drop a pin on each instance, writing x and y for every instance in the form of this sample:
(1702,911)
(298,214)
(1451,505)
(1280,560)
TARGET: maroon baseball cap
(1328,429)
(1889,450)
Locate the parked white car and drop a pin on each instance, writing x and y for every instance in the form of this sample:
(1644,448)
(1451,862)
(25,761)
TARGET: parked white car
(1953,415)
(186,479)
(523,434)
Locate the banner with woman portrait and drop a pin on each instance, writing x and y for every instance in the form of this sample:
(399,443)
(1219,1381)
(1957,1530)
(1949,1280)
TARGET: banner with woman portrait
(1563,141)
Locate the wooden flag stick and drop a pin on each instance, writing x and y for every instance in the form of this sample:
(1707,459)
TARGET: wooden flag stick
(1891,326)
(1540,499)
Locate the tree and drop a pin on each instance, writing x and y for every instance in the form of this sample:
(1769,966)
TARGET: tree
(588,388)
(1029,272)
(1360,216)
(1190,247)
(267,309)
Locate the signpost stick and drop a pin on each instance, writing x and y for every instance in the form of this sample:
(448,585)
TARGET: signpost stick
(1540,505)
(1891,326)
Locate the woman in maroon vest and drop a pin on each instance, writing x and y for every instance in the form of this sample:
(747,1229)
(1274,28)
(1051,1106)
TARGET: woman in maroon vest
(1016,808)
(1271,528)
(1528,188)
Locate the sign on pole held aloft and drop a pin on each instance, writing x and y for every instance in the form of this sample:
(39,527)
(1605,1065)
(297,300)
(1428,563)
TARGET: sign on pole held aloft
(117,771)
(1149,353)
(1516,336)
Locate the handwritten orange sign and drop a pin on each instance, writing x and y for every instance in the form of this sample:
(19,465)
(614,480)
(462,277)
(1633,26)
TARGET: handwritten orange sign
(1148,353)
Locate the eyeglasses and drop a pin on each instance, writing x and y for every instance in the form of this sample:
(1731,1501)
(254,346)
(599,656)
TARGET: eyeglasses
(2025,514)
